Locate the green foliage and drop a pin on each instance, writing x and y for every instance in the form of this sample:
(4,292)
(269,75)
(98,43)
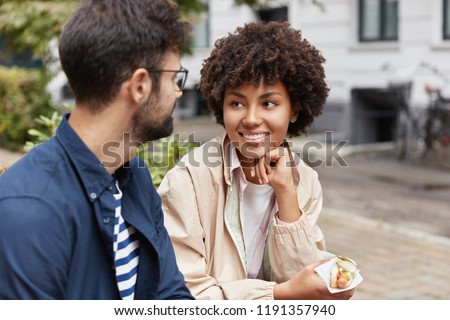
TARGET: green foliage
(33,24)
(162,155)
(49,126)
(264,4)
(23,97)
(189,7)
(256,4)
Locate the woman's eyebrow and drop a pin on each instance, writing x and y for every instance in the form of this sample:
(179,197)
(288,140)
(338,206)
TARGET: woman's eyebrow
(237,94)
(269,94)
(263,96)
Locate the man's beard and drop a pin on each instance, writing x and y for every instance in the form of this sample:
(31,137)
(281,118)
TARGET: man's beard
(147,128)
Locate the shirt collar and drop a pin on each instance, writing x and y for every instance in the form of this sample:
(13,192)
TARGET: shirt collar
(234,159)
(235,165)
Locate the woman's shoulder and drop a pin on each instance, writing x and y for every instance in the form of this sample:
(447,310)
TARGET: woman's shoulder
(208,155)
(201,162)
(201,167)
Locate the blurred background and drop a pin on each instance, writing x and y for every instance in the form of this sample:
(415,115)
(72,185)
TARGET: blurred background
(368,45)
(385,205)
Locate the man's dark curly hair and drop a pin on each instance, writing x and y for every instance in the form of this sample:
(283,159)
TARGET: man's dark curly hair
(267,51)
(105,41)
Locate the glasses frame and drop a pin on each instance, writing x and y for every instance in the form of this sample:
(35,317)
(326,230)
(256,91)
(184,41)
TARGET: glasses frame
(184,71)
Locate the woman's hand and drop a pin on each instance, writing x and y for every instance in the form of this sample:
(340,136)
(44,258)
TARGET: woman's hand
(275,169)
(307,285)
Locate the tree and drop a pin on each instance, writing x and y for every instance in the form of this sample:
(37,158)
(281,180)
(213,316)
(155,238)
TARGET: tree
(34,24)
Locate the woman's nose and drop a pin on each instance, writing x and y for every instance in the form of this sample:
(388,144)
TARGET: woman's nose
(252,117)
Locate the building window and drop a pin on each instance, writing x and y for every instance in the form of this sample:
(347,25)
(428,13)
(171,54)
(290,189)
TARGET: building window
(378,20)
(191,104)
(446,19)
(273,14)
(200,32)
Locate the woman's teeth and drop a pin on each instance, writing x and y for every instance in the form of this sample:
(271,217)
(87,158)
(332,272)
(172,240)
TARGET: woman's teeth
(254,136)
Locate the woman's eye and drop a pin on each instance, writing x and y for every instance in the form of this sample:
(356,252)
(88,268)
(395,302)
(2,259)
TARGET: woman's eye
(269,104)
(236,104)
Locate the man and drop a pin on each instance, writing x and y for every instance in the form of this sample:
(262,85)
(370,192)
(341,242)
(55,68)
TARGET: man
(79,216)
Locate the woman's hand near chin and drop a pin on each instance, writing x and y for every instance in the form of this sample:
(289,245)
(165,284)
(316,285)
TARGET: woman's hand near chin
(275,169)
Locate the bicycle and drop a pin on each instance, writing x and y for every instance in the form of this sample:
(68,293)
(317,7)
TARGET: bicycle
(407,120)
(432,131)
(418,132)
(437,126)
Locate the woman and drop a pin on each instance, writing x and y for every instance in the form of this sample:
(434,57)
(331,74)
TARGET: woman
(242,210)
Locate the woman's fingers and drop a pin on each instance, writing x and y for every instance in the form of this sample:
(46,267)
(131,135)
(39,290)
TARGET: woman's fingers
(267,164)
(261,169)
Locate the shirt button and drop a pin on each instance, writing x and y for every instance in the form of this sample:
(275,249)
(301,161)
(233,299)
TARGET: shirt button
(93,195)
(106,219)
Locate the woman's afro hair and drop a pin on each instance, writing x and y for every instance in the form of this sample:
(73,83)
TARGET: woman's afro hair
(270,52)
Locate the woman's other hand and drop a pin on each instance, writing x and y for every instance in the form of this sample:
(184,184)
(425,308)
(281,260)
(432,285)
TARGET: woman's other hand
(307,285)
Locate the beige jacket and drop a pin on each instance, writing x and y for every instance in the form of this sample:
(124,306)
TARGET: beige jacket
(202,217)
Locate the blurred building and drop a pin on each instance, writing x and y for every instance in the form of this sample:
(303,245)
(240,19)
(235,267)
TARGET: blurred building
(367,45)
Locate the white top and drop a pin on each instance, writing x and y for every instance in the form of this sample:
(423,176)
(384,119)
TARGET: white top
(255,202)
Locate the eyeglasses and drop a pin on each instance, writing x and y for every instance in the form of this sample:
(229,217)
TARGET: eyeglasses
(180,77)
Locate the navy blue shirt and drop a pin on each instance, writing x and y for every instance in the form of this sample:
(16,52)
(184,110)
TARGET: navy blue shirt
(57,220)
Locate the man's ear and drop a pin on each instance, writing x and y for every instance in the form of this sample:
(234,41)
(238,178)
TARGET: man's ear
(140,86)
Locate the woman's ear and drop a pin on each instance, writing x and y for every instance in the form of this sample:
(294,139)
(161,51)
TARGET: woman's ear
(294,115)
(140,86)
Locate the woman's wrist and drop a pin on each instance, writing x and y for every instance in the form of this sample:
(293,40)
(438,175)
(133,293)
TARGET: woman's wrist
(288,209)
(279,292)
(283,291)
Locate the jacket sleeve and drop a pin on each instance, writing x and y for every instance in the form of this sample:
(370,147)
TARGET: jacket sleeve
(182,220)
(34,254)
(170,284)
(292,246)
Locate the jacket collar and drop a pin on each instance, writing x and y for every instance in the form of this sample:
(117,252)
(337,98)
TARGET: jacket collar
(94,176)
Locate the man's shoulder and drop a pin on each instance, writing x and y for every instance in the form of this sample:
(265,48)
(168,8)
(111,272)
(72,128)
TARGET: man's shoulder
(30,174)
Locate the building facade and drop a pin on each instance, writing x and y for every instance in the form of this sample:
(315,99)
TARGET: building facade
(367,45)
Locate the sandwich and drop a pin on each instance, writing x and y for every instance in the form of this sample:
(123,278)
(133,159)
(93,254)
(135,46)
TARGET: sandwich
(342,272)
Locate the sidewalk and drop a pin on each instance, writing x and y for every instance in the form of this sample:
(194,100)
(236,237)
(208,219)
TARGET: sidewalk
(379,212)
(8,157)
(396,263)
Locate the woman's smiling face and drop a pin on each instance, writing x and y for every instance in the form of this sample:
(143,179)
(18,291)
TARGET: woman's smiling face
(257,118)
